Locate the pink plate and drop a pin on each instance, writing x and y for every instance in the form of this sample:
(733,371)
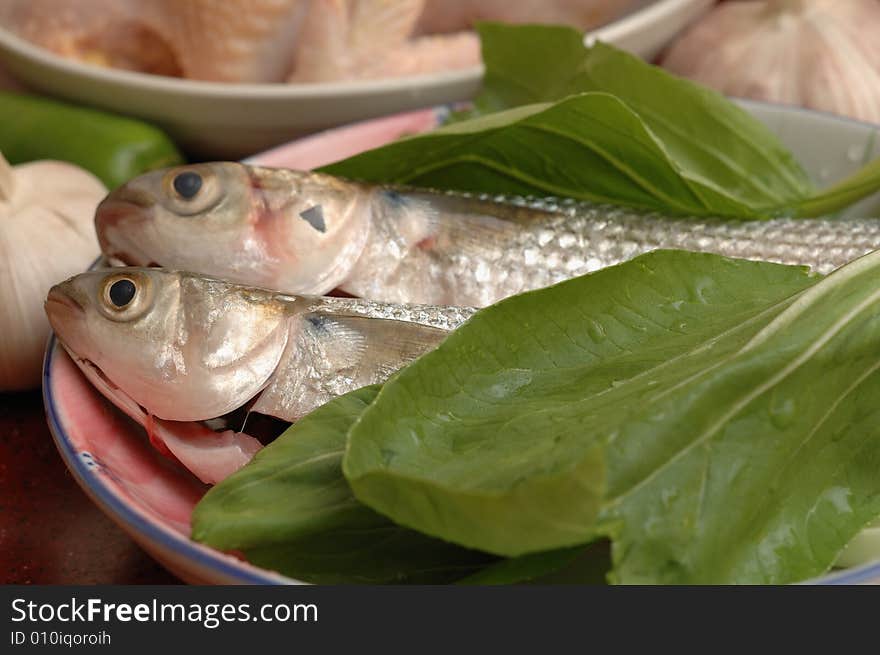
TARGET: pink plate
(147,495)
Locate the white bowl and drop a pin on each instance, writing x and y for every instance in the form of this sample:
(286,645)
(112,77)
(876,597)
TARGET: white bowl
(229,121)
(647,31)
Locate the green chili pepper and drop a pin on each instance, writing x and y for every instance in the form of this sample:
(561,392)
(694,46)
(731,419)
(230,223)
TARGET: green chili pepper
(112,147)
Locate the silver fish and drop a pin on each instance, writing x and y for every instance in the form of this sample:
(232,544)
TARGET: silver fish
(311,233)
(169,347)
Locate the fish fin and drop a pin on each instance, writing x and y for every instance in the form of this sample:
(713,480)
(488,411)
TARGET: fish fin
(457,223)
(470,234)
(466,222)
(331,355)
(7,179)
(427,232)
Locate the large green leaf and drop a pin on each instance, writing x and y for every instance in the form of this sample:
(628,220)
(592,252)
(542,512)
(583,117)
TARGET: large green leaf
(574,565)
(729,404)
(291,510)
(764,462)
(590,146)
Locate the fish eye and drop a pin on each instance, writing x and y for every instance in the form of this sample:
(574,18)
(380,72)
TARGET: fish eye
(121,292)
(125,296)
(191,190)
(187,184)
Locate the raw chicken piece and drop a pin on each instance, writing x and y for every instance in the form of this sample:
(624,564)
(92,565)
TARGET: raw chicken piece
(221,40)
(225,40)
(111,33)
(363,39)
(274,40)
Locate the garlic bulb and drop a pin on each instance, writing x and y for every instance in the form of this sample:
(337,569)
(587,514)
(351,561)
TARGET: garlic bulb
(822,54)
(46,235)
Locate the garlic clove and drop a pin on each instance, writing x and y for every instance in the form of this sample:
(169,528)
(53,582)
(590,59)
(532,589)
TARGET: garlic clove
(46,235)
(821,54)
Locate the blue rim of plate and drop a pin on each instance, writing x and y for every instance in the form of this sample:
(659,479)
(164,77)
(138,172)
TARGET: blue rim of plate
(108,501)
(182,546)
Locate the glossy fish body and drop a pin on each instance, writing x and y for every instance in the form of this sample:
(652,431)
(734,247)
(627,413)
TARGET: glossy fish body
(174,348)
(312,233)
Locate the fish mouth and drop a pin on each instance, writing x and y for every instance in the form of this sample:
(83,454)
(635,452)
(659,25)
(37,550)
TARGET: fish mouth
(62,308)
(108,218)
(110,213)
(126,195)
(58,298)
(117,218)
(124,204)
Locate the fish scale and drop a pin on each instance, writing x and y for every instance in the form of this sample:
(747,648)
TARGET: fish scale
(554,240)
(437,316)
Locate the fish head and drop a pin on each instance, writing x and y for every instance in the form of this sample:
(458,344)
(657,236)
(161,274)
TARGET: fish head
(299,232)
(178,217)
(183,347)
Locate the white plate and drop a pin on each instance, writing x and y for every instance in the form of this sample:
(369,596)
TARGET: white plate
(230,121)
(829,147)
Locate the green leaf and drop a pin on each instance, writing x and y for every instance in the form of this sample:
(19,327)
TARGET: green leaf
(381,555)
(291,510)
(531,356)
(730,405)
(576,565)
(768,464)
(591,147)
(516,75)
(714,142)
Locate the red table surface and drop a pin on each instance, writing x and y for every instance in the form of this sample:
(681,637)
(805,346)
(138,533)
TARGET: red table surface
(50,532)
